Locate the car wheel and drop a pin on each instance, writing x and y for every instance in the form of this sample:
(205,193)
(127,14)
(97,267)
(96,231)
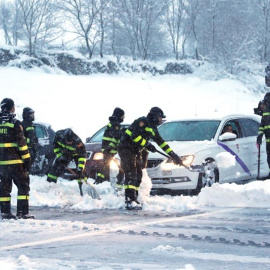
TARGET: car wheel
(209,176)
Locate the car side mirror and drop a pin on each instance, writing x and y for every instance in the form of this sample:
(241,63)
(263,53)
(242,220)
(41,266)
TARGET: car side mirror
(227,136)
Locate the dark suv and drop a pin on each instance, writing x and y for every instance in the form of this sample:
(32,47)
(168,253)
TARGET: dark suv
(45,155)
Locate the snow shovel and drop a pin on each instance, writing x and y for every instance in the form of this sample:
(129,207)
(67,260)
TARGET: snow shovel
(259,161)
(90,189)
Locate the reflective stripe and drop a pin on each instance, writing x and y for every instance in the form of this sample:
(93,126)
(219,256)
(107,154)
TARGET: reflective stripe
(7,125)
(30,128)
(81,165)
(113,145)
(56,150)
(23,148)
(82,159)
(150,130)
(66,146)
(266,127)
(8,144)
(26,156)
(109,125)
(5,199)
(266,113)
(113,151)
(131,187)
(267,140)
(110,139)
(52,176)
(128,132)
(101,175)
(168,150)
(138,138)
(59,155)
(162,145)
(120,186)
(143,142)
(10,162)
(23,197)
(27,140)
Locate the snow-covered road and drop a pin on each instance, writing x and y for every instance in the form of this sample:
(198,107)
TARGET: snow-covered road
(212,238)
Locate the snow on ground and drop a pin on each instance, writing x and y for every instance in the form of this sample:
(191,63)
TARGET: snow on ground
(85,103)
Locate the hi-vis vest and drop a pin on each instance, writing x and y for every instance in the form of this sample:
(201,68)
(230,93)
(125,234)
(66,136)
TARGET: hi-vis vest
(13,148)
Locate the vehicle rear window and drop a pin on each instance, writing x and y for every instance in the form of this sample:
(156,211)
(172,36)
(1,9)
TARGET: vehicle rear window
(189,130)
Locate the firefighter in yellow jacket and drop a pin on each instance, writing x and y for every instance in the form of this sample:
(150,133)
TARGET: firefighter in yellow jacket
(15,163)
(67,147)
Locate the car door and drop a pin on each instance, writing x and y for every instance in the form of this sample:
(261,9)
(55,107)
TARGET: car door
(239,148)
(250,129)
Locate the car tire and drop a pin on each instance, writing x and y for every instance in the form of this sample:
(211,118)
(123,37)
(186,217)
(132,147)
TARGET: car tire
(211,172)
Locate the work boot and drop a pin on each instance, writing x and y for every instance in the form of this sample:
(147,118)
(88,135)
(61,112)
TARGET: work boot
(8,216)
(26,216)
(133,205)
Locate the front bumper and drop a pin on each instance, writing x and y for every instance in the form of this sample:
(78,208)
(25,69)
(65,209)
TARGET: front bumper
(177,178)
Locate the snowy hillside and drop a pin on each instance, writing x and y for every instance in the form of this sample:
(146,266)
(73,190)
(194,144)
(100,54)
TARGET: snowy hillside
(72,232)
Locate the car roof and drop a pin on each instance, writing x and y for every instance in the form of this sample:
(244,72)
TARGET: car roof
(220,118)
(43,124)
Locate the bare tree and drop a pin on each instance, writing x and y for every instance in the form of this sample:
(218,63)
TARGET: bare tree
(41,24)
(264,27)
(6,20)
(138,20)
(177,26)
(84,16)
(193,8)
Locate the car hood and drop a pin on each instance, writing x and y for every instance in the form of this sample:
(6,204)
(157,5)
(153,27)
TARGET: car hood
(184,148)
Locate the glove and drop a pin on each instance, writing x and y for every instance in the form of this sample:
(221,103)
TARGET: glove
(259,139)
(176,158)
(150,147)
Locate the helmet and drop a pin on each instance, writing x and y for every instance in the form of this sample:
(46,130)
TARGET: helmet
(267,99)
(157,112)
(26,114)
(118,112)
(117,115)
(68,134)
(154,115)
(7,104)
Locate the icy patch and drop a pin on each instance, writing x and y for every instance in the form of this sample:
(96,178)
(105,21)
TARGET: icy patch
(180,252)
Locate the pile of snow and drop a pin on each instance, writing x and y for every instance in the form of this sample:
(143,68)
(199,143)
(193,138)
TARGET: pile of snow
(65,194)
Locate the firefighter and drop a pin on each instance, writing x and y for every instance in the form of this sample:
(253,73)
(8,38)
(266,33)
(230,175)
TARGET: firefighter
(131,151)
(67,147)
(260,109)
(264,128)
(29,132)
(15,163)
(110,141)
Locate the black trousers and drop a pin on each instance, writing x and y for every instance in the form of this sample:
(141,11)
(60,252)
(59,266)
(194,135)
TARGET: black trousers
(16,174)
(57,168)
(132,166)
(268,154)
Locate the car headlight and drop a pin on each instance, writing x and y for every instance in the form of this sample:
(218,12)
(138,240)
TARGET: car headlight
(98,156)
(114,165)
(187,160)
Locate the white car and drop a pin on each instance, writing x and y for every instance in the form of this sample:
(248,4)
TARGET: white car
(209,154)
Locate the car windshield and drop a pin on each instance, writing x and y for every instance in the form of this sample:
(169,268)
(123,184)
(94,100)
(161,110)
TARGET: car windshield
(189,130)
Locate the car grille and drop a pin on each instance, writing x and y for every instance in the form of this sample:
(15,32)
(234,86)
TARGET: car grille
(88,154)
(152,163)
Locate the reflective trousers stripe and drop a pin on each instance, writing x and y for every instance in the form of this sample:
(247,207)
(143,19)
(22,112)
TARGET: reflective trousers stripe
(23,197)
(10,162)
(131,187)
(52,176)
(5,199)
